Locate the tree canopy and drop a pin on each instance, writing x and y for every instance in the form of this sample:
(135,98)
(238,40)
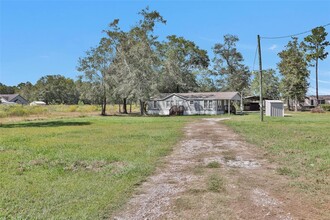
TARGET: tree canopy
(315,45)
(294,69)
(231,73)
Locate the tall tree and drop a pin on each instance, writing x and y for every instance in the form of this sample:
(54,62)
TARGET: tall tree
(181,60)
(137,62)
(56,89)
(229,69)
(270,84)
(316,44)
(294,69)
(7,89)
(27,91)
(95,67)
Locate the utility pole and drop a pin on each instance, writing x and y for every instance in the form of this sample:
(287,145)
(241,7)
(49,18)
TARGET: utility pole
(260,83)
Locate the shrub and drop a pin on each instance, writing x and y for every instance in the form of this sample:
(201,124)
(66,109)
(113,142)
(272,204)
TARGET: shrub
(213,164)
(325,107)
(317,110)
(216,183)
(73,108)
(17,110)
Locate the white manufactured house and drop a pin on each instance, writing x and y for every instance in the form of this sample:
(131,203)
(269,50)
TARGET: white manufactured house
(202,103)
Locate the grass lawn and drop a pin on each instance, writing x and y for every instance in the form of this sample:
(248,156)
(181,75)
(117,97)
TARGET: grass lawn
(300,144)
(80,168)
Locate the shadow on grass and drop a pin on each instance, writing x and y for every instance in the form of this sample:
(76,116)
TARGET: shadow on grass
(44,124)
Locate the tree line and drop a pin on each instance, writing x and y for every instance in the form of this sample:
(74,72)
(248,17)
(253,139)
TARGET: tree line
(134,65)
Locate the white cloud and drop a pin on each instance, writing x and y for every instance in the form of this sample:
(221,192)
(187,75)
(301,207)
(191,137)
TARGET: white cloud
(321,81)
(273,47)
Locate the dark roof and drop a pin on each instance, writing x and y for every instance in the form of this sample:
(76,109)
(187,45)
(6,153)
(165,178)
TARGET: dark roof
(254,98)
(198,95)
(8,97)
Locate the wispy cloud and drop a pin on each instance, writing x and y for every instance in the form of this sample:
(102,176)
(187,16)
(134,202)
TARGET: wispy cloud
(273,47)
(321,81)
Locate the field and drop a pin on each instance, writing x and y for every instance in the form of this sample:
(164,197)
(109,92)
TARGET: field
(82,168)
(9,112)
(298,143)
(87,167)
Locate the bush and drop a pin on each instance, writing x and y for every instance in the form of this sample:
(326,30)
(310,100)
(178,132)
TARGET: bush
(325,107)
(216,183)
(317,110)
(73,108)
(213,164)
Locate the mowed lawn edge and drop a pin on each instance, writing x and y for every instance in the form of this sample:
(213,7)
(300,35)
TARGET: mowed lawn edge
(298,143)
(79,168)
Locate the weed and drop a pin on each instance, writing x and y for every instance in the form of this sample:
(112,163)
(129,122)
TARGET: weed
(229,155)
(183,203)
(216,183)
(286,171)
(213,164)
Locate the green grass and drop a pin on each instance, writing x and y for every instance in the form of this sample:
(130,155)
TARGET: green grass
(83,168)
(300,144)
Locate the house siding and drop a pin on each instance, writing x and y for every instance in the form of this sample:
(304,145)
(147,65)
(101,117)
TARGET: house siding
(191,107)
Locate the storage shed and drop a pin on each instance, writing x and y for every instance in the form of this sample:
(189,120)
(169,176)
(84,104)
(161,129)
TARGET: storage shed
(274,108)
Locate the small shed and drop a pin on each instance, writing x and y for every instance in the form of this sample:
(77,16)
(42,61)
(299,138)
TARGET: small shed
(274,108)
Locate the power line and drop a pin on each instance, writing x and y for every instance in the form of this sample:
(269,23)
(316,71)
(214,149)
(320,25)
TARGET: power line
(292,35)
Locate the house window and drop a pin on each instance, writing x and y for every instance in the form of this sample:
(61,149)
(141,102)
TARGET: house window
(210,104)
(321,101)
(155,104)
(205,103)
(191,102)
(312,102)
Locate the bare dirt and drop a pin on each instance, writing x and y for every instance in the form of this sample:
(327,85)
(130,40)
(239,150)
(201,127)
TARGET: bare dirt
(214,174)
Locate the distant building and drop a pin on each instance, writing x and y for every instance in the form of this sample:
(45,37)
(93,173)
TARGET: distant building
(37,103)
(13,99)
(311,100)
(201,103)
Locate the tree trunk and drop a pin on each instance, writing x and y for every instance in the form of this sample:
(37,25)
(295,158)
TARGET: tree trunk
(142,107)
(317,80)
(104,106)
(295,103)
(288,102)
(125,106)
(119,108)
(130,107)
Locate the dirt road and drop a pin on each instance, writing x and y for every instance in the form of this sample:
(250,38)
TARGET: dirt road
(214,174)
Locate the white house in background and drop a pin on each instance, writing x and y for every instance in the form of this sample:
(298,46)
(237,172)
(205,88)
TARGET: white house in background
(201,103)
(311,100)
(10,99)
(37,103)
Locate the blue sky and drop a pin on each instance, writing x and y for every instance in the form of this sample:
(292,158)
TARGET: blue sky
(39,38)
